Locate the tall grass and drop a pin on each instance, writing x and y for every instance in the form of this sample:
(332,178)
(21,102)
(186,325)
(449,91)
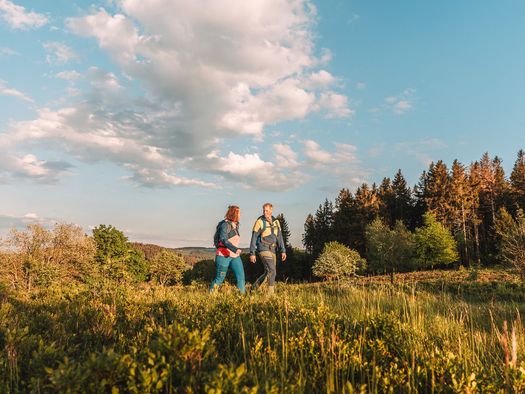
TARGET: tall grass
(308,338)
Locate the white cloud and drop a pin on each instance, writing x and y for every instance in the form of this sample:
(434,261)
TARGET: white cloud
(58,53)
(210,72)
(320,158)
(285,156)
(360,85)
(253,172)
(18,18)
(29,166)
(341,162)
(68,75)
(335,105)
(7,91)
(401,103)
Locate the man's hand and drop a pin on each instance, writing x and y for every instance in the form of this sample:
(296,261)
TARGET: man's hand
(252,259)
(283,257)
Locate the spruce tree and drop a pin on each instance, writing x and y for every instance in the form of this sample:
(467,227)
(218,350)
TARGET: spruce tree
(517,181)
(309,234)
(285,231)
(403,200)
(436,193)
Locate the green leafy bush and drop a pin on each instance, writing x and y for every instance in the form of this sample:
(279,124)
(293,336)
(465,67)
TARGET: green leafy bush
(435,245)
(338,261)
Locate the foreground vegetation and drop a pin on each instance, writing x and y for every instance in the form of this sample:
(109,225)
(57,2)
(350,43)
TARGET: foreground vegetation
(366,336)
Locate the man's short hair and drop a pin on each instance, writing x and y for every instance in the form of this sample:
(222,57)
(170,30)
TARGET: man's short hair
(267,205)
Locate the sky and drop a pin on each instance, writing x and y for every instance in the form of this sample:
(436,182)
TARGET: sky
(155,115)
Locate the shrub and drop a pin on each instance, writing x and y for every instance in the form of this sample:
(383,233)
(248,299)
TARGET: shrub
(435,245)
(389,249)
(168,267)
(338,261)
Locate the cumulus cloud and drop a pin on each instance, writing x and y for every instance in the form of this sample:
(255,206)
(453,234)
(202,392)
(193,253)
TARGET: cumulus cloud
(17,17)
(285,156)
(29,166)
(252,171)
(58,53)
(7,91)
(321,159)
(209,73)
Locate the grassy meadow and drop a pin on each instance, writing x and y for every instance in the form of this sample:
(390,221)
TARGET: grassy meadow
(418,335)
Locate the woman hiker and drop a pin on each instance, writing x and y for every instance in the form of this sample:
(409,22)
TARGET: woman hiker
(228,253)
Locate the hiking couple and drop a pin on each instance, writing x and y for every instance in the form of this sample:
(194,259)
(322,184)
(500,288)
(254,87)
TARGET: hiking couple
(266,240)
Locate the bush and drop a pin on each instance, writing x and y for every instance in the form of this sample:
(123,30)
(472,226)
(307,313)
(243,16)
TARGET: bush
(337,262)
(389,249)
(435,245)
(168,267)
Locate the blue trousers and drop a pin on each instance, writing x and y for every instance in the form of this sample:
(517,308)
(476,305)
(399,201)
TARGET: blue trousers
(221,268)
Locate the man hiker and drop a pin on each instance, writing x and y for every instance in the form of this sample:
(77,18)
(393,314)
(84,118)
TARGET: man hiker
(267,238)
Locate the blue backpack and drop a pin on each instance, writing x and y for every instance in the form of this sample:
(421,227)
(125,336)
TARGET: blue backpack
(216,242)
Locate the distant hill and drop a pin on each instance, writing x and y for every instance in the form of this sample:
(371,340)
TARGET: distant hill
(190,254)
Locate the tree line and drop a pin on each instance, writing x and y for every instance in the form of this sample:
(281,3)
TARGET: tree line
(471,202)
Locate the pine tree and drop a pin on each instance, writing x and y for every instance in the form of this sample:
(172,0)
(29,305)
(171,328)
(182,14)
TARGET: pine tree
(323,225)
(403,201)
(461,200)
(517,181)
(285,231)
(344,218)
(309,234)
(436,193)
(386,201)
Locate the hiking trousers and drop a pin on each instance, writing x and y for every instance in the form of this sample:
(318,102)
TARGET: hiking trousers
(222,264)
(269,260)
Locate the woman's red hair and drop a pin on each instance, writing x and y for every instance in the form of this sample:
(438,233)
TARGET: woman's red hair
(233,213)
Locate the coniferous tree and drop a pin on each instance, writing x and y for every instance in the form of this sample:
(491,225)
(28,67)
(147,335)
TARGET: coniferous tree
(309,234)
(366,210)
(344,218)
(436,192)
(386,201)
(323,226)
(517,181)
(285,231)
(403,201)
(461,200)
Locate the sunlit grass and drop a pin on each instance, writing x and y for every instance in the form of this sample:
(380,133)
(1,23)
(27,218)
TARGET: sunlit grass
(339,337)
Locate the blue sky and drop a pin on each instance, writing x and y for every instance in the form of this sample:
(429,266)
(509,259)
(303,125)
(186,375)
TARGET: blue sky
(153,116)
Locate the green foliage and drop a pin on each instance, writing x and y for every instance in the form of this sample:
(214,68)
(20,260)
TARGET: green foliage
(44,257)
(137,265)
(389,250)
(167,267)
(338,262)
(435,245)
(512,239)
(111,243)
(313,338)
